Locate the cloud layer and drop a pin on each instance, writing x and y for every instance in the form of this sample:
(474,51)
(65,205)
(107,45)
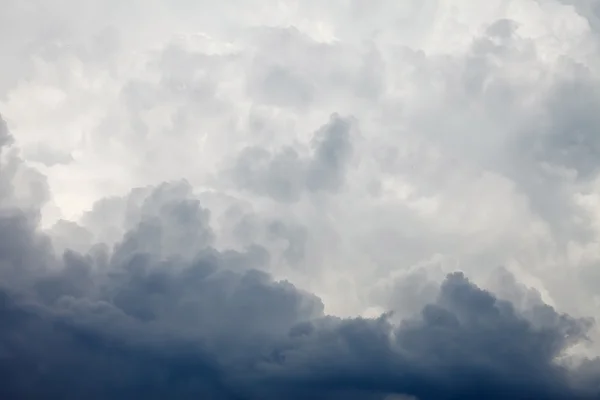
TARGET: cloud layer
(151,319)
(258,199)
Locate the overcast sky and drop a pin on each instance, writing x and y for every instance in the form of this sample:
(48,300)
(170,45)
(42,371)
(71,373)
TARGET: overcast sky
(261,199)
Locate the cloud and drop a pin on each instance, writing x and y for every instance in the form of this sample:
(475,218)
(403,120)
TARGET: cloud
(241,336)
(145,319)
(286,175)
(254,199)
(4,134)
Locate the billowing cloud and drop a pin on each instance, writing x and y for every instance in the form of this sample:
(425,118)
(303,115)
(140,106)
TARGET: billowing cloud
(261,199)
(149,319)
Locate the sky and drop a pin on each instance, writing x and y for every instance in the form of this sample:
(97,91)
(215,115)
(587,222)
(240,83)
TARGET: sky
(300,199)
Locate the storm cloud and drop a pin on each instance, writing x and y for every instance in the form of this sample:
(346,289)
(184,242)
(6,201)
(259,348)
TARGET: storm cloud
(299,200)
(147,319)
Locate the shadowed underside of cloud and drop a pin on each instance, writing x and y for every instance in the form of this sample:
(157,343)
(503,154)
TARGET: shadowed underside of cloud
(145,319)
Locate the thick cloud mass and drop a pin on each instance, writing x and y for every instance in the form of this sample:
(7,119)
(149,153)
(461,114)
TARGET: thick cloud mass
(303,199)
(149,319)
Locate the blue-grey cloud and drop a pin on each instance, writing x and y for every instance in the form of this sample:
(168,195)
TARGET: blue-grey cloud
(146,319)
(478,149)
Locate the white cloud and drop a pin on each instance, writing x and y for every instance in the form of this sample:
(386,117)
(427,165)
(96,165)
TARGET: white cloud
(473,142)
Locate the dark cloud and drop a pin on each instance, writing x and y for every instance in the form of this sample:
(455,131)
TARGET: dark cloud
(146,306)
(141,299)
(205,332)
(143,321)
(285,175)
(465,345)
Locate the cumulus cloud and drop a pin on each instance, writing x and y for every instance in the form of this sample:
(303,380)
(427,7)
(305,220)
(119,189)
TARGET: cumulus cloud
(145,318)
(260,199)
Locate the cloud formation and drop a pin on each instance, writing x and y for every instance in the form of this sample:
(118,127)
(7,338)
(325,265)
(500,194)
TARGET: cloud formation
(148,319)
(256,199)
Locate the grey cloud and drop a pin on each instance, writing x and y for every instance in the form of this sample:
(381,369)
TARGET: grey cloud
(408,293)
(285,237)
(296,237)
(457,348)
(588,9)
(570,135)
(282,87)
(167,218)
(5,137)
(67,235)
(143,323)
(21,187)
(200,330)
(333,147)
(280,176)
(558,152)
(149,323)
(47,156)
(547,148)
(282,77)
(505,286)
(171,221)
(83,307)
(285,175)
(147,305)
(283,73)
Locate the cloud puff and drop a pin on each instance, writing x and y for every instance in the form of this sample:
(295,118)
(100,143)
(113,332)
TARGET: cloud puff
(285,175)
